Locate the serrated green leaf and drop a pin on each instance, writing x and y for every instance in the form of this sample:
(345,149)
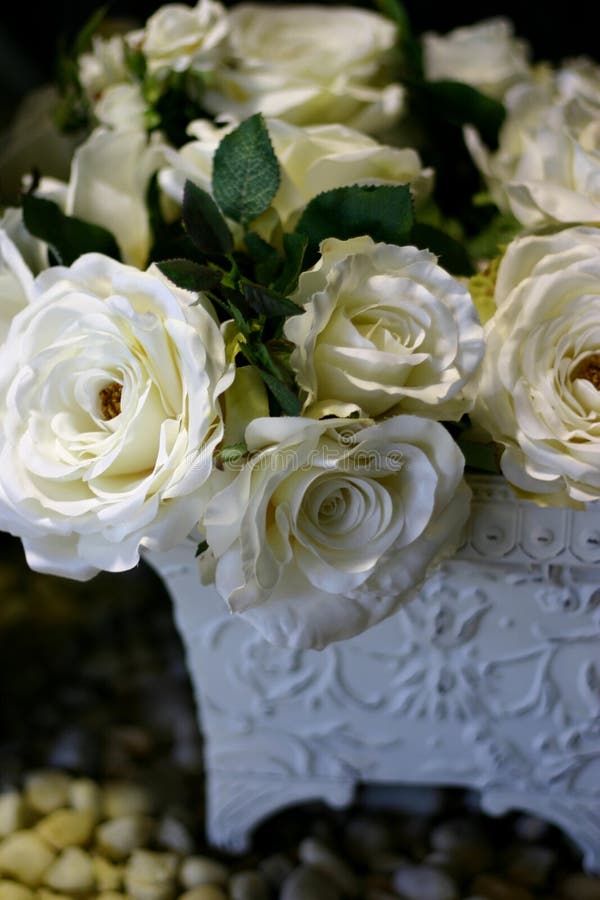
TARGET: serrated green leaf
(245,171)
(201,548)
(460,104)
(382,211)
(451,253)
(294,246)
(189,275)
(68,236)
(204,222)
(266,303)
(286,399)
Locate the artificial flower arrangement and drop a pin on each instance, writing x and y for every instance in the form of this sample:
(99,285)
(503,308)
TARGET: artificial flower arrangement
(306,266)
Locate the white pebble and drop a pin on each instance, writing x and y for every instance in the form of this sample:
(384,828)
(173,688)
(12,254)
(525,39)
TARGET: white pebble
(47,791)
(120,837)
(10,890)
(85,795)
(197,870)
(107,875)
(71,872)
(172,834)
(123,798)
(12,813)
(151,876)
(25,857)
(417,882)
(248,885)
(66,828)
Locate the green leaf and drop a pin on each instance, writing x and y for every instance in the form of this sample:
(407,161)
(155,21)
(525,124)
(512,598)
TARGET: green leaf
(233,452)
(267,261)
(201,548)
(451,253)
(68,236)
(87,32)
(382,211)
(496,234)
(294,246)
(460,104)
(189,275)
(266,303)
(409,45)
(245,171)
(287,400)
(204,223)
(480,457)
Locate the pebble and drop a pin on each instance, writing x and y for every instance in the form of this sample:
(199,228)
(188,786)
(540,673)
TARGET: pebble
(150,875)
(248,885)
(85,795)
(313,853)
(172,834)
(72,871)
(126,799)
(418,882)
(25,856)
(10,890)
(67,827)
(530,865)
(276,868)
(120,837)
(47,791)
(366,838)
(460,840)
(308,883)
(204,892)
(12,813)
(199,870)
(107,875)
(111,895)
(580,887)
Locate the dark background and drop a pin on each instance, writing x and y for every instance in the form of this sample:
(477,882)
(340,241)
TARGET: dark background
(29,34)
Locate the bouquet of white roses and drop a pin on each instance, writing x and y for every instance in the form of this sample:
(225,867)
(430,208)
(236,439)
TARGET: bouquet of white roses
(255,308)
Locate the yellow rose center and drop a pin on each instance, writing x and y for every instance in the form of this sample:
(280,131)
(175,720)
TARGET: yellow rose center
(589,369)
(110,400)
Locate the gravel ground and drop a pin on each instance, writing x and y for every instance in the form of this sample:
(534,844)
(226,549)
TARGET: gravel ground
(101,782)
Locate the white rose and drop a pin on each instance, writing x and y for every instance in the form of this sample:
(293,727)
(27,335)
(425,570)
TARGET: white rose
(547,166)
(312,159)
(110,174)
(103,66)
(540,382)
(177,37)
(385,328)
(486,56)
(331,524)
(122,106)
(109,413)
(16,281)
(309,64)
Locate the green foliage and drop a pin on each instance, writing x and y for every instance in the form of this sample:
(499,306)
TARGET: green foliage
(67,236)
(500,231)
(189,275)
(204,222)
(73,112)
(266,303)
(451,253)
(382,211)
(460,104)
(409,46)
(245,171)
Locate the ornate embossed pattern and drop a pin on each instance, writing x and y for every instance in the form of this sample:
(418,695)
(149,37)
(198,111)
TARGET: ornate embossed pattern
(489,679)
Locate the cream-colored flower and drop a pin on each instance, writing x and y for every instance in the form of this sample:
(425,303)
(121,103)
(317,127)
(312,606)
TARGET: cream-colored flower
(486,56)
(103,66)
(108,186)
(539,394)
(178,37)
(309,64)
(109,414)
(331,524)
(547,166)
(312,159)
(122,106)
(384,329)
(15,283)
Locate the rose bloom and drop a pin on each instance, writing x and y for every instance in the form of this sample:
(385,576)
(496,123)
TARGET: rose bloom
(486,56)
(109,413)
(312,159)
(103,66)
(177,37)
(384,329)
(108,186)
(309,64)
(539,394)
(16,280)
(331,524)
(547,166)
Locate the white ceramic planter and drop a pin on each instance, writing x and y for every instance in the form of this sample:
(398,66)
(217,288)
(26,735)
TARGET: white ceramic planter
(489,680)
